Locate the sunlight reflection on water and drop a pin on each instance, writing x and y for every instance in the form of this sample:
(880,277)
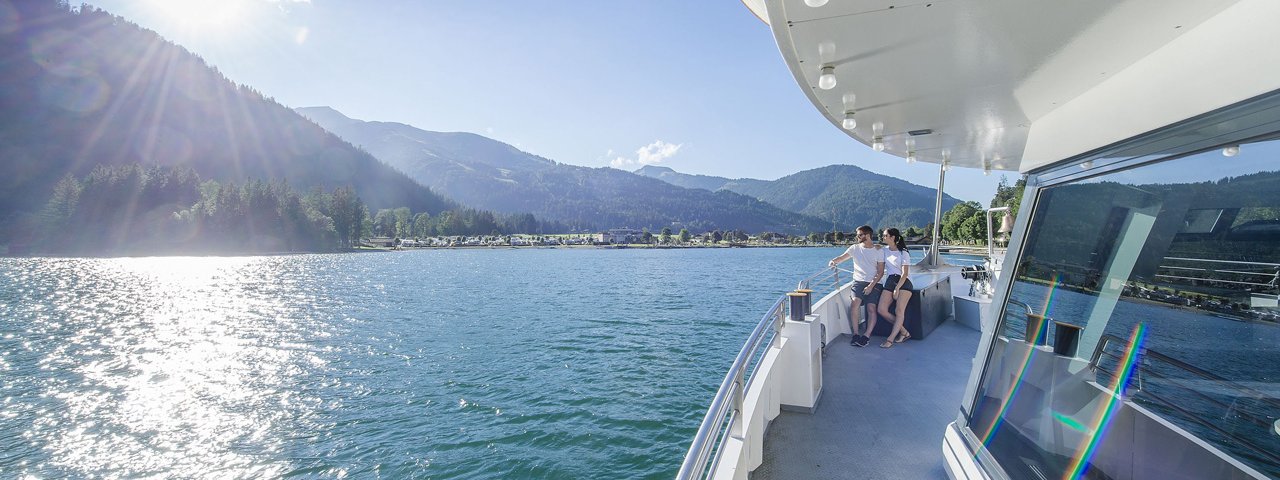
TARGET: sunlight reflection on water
(452,364)
(173,365)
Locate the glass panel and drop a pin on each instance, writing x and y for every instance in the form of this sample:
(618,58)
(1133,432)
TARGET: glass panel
(1140,337)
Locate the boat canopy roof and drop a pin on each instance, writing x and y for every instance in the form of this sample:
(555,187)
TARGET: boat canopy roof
(1020,85)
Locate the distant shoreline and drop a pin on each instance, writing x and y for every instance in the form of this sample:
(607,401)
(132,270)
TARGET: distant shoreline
(375,249)
(599,247)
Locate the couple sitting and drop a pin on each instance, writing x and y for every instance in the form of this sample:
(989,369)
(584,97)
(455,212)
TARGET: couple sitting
(870,263)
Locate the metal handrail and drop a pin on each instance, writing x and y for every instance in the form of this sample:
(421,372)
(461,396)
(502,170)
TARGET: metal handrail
(1195,417)
(1270,271)
(1201,395)
(1022,304)
(1232,262)
(728,399)
(1108,338)
(1216,280)
(733,387)
(821,277)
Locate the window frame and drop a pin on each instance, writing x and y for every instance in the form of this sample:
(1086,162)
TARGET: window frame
(1169,143)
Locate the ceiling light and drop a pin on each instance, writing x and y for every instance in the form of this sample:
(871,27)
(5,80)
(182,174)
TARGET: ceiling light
(1231,151)
(828,79)
(911,157)
(815,3)
(877,144)
(849,122)
(911,150)
(1087,164)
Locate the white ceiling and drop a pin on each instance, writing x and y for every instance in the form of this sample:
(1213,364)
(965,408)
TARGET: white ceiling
(978,73)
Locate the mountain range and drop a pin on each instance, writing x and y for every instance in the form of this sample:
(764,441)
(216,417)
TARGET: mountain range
(485,173)
(844,194)
(705,182)
(82,88)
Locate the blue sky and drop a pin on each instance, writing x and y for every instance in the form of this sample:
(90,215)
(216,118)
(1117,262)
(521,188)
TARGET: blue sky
(698,86)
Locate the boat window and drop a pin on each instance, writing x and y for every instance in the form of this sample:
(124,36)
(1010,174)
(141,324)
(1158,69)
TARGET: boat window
(1140,337)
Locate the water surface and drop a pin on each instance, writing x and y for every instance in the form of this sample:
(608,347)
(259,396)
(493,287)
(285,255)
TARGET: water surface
(504,363)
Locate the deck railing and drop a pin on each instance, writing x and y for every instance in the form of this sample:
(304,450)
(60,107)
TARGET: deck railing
(826,281)
(1221,385)
(1251,275)
(726,406)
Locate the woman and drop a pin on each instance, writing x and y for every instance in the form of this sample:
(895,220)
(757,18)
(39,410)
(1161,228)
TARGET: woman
(897,288)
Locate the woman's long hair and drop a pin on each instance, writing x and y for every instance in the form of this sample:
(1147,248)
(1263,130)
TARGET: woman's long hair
(898,242)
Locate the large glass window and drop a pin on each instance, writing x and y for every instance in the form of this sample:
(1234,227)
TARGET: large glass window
(1140,337)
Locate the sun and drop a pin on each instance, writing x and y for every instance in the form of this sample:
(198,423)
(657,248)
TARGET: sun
(207,16)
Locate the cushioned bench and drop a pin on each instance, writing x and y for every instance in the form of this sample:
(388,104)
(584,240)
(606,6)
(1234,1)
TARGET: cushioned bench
(930,305)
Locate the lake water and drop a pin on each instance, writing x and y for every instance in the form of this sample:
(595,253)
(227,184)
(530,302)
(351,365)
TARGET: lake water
(504,363)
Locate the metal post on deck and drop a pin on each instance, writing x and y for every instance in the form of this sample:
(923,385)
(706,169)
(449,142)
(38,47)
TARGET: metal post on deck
(934,260)
(808,300)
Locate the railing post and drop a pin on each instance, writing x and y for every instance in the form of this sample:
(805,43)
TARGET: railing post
(1037,329)
(779,320)
(737,427)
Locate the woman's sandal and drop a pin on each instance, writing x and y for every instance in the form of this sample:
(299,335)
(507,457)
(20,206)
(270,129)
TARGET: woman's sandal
(904,337)
(886,344)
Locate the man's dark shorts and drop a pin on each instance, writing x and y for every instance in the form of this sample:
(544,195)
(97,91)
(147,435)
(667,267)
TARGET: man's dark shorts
(860,287)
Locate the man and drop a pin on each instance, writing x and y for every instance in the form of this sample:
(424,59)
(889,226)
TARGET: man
(868,267)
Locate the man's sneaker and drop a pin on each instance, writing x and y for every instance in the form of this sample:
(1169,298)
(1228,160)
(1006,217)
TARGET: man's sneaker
(854,341)
(862,340)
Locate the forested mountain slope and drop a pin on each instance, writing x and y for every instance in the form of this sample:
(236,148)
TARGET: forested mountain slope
(489,174)
(81,88)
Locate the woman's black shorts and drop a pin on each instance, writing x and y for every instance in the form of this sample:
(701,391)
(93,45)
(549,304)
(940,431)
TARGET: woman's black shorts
(892,281)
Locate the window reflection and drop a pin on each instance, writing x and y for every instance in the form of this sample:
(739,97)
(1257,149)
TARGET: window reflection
(1158,285)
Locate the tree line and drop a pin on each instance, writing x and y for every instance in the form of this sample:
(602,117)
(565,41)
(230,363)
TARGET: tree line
(131,209)
(124,209)
(966,222)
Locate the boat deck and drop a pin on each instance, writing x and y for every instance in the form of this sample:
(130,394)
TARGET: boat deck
(882,412)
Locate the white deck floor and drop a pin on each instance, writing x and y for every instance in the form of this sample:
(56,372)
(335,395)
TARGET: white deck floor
(882,411)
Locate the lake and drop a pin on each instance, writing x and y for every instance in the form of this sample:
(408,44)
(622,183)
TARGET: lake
(502,363)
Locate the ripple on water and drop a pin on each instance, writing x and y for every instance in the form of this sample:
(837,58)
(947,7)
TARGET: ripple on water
(445,364)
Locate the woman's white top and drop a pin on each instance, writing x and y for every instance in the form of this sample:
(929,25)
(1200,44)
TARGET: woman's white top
(894,260)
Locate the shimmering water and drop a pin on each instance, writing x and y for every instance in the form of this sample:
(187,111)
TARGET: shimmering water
(528,363)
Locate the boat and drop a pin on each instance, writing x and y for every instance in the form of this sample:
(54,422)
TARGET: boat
(1146,131)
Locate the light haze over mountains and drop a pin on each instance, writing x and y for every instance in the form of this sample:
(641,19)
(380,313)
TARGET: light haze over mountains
(485,173)
(489,174)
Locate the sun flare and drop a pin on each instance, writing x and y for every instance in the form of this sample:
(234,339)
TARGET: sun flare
(204,15)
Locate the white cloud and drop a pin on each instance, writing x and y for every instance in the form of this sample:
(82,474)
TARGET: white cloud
(651,154)
(656,152)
